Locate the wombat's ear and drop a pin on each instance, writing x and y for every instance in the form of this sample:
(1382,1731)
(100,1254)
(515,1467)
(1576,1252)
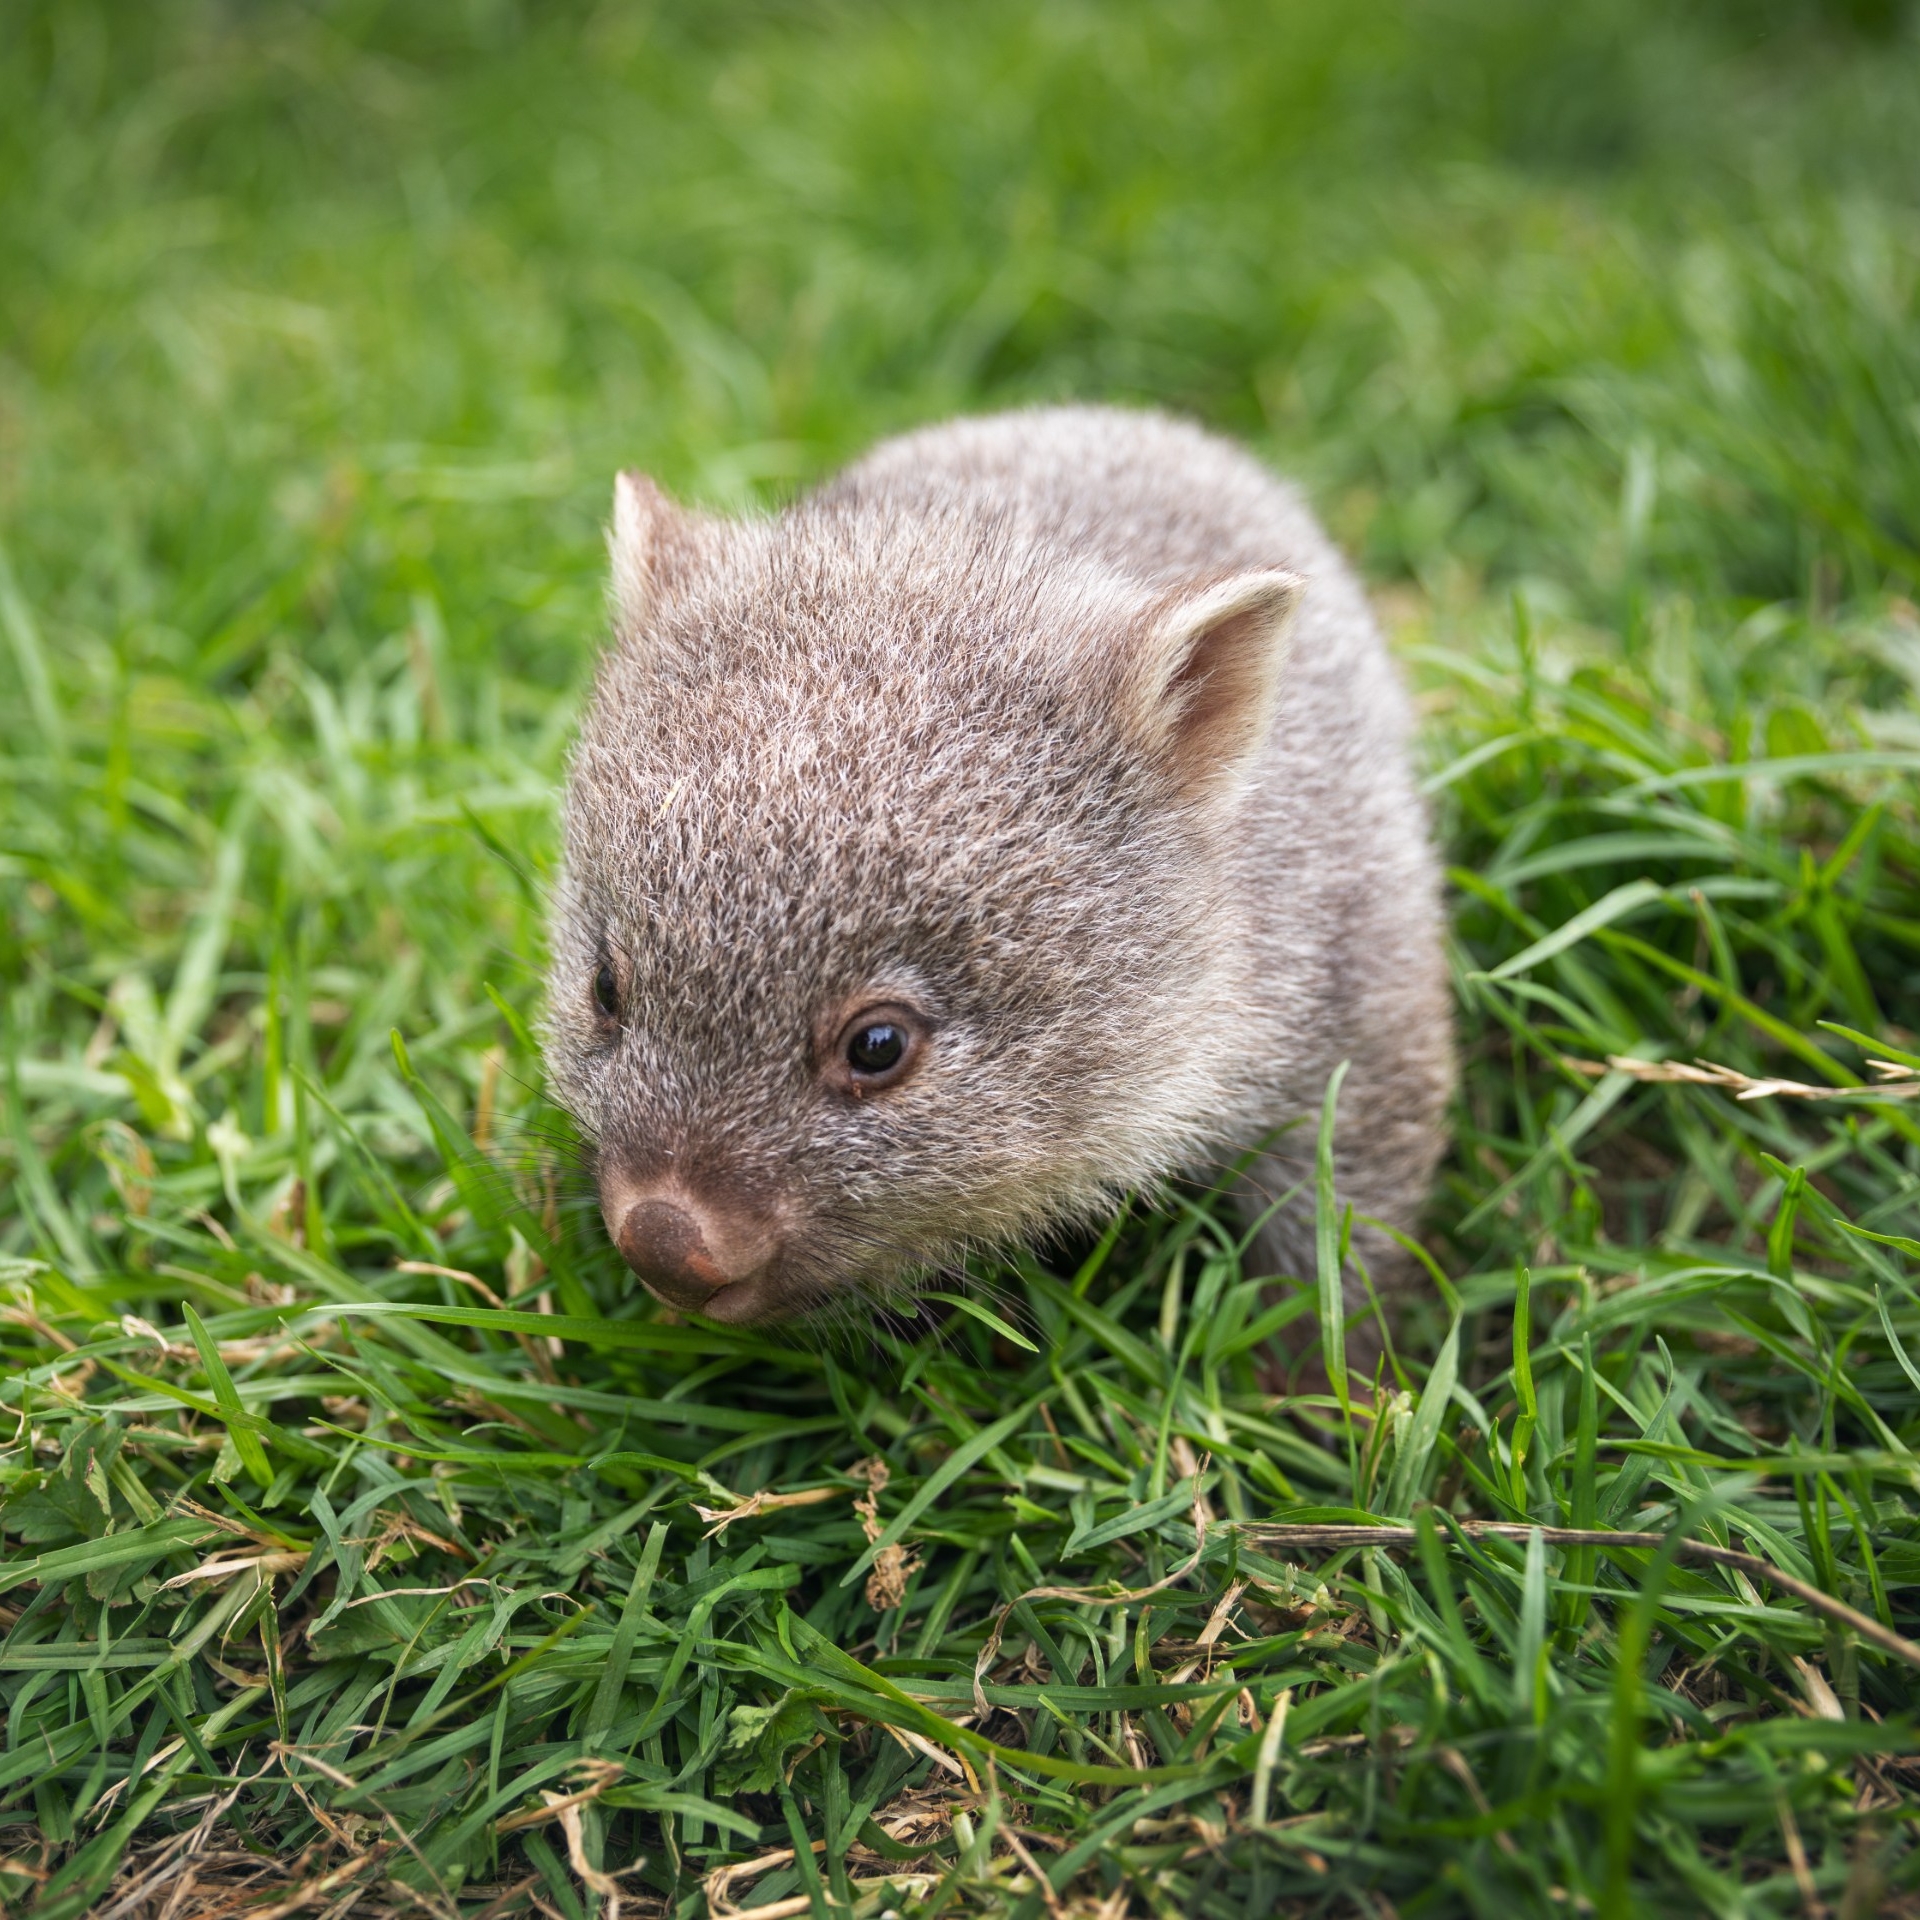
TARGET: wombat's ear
(1205,676)
(649,540)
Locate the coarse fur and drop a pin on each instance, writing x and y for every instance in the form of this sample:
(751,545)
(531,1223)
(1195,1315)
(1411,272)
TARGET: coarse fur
(1068,729)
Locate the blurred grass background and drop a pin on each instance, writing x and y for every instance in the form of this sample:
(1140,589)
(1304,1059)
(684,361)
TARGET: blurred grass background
(1595,332)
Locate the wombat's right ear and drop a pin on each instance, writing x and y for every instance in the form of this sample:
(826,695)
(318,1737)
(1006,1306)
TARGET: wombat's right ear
(649,540)
(1204,674)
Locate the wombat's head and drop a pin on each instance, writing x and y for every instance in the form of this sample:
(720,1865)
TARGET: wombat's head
(890,922)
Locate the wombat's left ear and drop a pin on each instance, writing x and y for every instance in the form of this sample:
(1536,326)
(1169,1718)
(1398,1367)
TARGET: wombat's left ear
(1205,675)
(650,538)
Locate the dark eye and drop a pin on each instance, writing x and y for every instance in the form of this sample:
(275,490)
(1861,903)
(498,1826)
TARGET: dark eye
(877,1048)
(606,990)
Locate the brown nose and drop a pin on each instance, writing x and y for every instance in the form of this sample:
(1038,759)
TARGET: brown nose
(666,1245)
(684,1251)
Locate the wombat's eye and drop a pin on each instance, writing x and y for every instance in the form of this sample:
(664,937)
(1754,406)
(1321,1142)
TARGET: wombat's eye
(876,1049)
(606,991)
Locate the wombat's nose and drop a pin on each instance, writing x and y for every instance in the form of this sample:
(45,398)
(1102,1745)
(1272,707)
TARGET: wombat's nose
(684,1253)
(665,1246)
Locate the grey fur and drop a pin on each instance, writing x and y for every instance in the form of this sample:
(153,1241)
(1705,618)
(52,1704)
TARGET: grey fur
(920,736)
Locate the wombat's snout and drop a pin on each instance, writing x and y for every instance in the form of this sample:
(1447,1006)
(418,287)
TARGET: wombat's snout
(692,1254)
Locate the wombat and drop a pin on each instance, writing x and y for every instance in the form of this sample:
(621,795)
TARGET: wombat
(1019,819)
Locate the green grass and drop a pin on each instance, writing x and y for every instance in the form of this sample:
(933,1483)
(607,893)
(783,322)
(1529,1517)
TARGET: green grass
(1595,331)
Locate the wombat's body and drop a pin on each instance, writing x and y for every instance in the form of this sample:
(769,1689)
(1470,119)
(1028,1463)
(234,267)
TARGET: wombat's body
(1021,818)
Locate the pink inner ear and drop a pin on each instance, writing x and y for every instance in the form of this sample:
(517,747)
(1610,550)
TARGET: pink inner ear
(1216,703)
(1221,679)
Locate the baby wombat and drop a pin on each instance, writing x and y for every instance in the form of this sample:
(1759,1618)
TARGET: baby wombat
(1021,818)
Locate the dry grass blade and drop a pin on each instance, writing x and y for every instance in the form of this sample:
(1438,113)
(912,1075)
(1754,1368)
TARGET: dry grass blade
(719,1884)
(1893,1082)
(599,1775)
(265,1565)
(1042,1885)
(752,1505)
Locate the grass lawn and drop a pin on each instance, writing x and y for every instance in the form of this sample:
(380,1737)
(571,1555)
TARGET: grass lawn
(369,1546)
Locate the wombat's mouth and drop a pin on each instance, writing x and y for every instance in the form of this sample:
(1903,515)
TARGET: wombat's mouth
(745,1303)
